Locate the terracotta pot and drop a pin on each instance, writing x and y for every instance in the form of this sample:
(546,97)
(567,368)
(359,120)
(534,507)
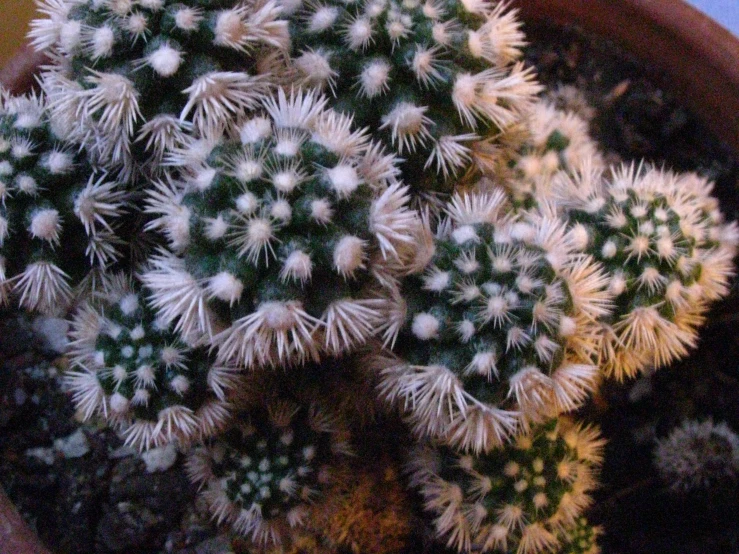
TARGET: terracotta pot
(15,536)
(696,59)
(691,55)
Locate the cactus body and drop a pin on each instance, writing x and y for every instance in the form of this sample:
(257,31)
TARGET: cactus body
(143,378)
(282,237)
(668,252)
(131,79)
(58,217)
(494,328)
(515,499)
(262,475)
(435,80)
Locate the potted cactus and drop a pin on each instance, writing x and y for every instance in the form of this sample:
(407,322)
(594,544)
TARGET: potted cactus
(275,224)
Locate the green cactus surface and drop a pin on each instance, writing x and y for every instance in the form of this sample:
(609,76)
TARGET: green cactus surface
(434,80)
(282,237)
(514,499)
(58,216)
(140,376)
(493,329)
(131,78)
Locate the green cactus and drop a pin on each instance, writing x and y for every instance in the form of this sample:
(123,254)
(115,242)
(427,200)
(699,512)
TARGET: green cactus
(131,78)
(58,217)
(581,538)
(515,499)
(283,237)
(262,475)
(668,253)
(548,141)
(142,378)
(435,80)
(494,326)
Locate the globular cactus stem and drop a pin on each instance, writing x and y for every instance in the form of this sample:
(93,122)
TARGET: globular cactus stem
(515,499)
(493,328)
(58,216)
(435,80)
(263,474)
(283,237)
(133,79)
(142,378)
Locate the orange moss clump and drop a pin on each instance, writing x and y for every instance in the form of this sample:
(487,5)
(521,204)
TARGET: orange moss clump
(367,510)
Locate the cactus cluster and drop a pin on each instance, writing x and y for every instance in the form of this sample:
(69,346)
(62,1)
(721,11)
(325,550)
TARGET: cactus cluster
(140,376)
(131,78)
(494,328)
(435,80)
(517,498)
(359,205)
(282,237)
(667,251)
(58,215)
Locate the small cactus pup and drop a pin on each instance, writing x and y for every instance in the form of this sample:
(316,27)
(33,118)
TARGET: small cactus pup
(142,378)
(698,456)
(514,499)
(668,253)
(581,538)
(435,80)
(281,238)
(493,328)
(130,78)
(58,216)
(264,472)
(548,140)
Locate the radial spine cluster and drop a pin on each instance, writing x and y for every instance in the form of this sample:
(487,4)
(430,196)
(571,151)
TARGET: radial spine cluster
(436,80)
(667,251)
(130,78)
(263,474)
(141,377)
(282,237)
(516,499)
(494,328)
(58,216)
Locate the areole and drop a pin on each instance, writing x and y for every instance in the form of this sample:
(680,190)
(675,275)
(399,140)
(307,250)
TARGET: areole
(693,57)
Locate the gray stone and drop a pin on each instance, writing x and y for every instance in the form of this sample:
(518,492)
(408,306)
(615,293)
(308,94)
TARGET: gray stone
(53,333)
(73,446)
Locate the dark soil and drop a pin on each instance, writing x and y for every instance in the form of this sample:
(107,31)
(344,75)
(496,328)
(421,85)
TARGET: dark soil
(104,501)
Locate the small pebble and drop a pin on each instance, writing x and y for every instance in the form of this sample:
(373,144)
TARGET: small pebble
(160,459)
(20,397)
(53,332)
(73,446)
(45,455)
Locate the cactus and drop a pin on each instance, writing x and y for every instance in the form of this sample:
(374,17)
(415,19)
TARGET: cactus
(549,140)
(698,455)
(131,79)
(265,471)
(142,378)
(58,216)
(435,80)
(494,327)
(515,499)
(668,253)
(282,237)
(581,538)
